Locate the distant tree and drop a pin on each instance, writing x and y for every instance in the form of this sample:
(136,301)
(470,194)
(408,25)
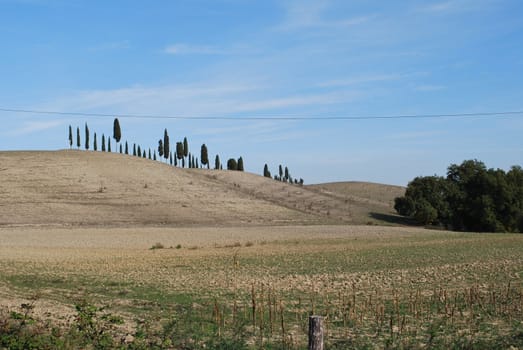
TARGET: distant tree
(301,182)
(197,164)
(134,149)
(126,148)
(154,156)
(95,143)
(183,162)
(166,147)
(171,158)
(185,148)
(232,164)
(86,137)
(103,143)
(121,151)
(239,165)
(217,163)
(78,143)
(179,151)
(204,156)
(266,171)
(144,154)
(160,148)
(280,171)
(70,136)
(287,177)
(108,144)
(175,161)
(150,157)
(138,151)
(117,132)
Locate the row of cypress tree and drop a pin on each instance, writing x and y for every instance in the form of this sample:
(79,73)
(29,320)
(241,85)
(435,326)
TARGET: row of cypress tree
(179,156)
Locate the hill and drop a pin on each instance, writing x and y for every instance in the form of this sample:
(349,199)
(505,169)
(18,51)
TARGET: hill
(108,189)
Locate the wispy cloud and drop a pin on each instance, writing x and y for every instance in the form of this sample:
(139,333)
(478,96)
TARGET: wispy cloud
(311,14)
(360,80)
(451,6)
(33,126)
(187,49)
(430,87)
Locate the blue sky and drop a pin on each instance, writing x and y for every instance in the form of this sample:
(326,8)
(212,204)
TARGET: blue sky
(249,58)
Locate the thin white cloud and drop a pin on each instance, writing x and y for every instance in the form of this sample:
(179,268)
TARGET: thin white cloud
(452,6)
(360,80)
(184,49)
(33,126)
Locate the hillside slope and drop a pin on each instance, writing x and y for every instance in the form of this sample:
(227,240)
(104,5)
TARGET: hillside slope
(108,189)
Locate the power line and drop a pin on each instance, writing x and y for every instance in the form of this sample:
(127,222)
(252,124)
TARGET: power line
(271,117)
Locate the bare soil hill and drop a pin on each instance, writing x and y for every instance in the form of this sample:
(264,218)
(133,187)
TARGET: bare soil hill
(78,188)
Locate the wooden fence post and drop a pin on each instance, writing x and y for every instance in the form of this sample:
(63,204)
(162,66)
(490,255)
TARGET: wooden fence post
(315,333)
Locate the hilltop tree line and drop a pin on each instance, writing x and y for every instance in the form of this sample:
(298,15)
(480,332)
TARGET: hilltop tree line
(179,155)
(282,175)
(470,198)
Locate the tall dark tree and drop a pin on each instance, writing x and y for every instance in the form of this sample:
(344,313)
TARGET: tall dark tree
(117,131)
(179,151)
(139,151)
(240,164)
(70,136)
(126,148)
(78,142)
(86,137)
(134,149)
(217,163)
(287,173)
(190,160)
(185,147)
(175,159)
(197,164)
(171,158)
(166,147)
(232,164)
(160,148)
(154,156)
(121,150)
(150,157)
(108,144)
(204,156)
(103,143)
(95,143)
(280,171)
(144,154)
(266,171)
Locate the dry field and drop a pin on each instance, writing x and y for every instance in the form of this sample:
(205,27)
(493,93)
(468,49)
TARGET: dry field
(184,259)
(375,285)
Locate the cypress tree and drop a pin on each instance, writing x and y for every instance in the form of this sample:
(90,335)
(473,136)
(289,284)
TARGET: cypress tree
(197,165)
(121,149)
(217,164)
(286,173)
(134,149)
(171,158)
(204,156)
(266,171)
(95,143)
(185,148)
(160,148)
(280,171)
(166,148)
(240,164)
(154,156)
(70,137)
(232,164)
(78,143)
(150,157)
(126,148)
(108,144)
(144,154)
(117,132)
(179,151)
(103,143)
(175,161)
(86,137)
(138,151)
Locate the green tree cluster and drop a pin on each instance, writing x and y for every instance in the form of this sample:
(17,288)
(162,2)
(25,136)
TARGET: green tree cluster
(470,198)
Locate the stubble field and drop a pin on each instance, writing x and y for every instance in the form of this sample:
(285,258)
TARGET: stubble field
(202,287)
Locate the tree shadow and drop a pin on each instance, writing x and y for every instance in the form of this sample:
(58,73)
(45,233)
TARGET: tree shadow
(393,219)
